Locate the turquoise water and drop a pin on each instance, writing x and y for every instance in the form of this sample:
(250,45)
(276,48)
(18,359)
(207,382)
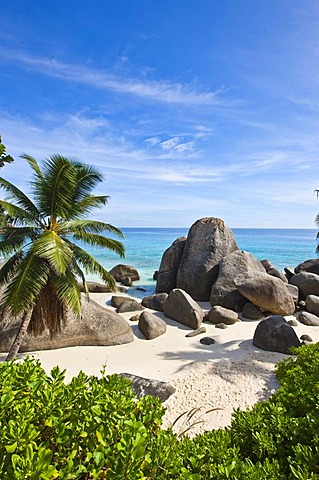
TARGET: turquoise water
(145,247)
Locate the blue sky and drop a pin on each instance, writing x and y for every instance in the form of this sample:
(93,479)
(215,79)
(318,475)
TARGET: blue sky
(189,108)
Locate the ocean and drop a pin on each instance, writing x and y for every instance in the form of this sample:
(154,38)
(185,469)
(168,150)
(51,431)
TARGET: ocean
(145,247)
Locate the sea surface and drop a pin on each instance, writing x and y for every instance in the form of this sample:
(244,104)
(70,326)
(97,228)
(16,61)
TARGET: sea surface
(145,247)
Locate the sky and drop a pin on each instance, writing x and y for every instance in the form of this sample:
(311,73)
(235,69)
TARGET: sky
(190,109)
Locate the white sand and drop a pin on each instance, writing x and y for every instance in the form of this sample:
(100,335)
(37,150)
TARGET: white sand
(229,374)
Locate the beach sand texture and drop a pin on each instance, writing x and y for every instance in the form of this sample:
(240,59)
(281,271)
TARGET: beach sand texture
(232,373)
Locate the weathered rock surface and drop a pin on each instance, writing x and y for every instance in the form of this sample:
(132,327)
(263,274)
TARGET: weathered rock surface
(252,312)
(95,287)
(129,305)
(308,319)
(166,276)
(116,300)
(147,386)
(308,284)
(224,291)
(289,272)
(207,341)
(277,273)
(155,302)
(97,326)
(151,326)
(312,304)
(208,241)
(275,335)
(121,272)
(219,314)
(294,292)
(222,326)
(180,306)
(293,322)
(311,266)
(196,332)
(266,292)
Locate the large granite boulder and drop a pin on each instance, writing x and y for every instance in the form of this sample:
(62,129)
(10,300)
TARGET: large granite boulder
(147,386)
(312,304)
(121,272)
(218,314)
(166,275)
(208,241)
(224,291)
(274,334)
(181,307)
(97,326)
(155,302)
(266,292)
(151,326)
(311,266)
(308,284)
(252,312)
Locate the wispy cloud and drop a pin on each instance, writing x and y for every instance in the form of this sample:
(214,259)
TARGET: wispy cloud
(157,91)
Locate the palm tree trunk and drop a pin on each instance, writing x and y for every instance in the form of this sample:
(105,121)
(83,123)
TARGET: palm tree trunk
(19,337)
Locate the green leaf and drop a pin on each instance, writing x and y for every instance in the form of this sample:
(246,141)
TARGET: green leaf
(11,448)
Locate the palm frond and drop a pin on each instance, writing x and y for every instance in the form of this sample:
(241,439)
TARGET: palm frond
(33,164)
(87,204)
(100,241)
(8,268)
(67,290)
(54,192)
(18,214)
(87,178)
(54,249)
(89,226)
(91,265)
(11,243)
(19,197)
(317,219)
(78,272)
(30,276)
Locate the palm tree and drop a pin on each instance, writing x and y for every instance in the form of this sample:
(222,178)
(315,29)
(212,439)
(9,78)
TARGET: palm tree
(40,278)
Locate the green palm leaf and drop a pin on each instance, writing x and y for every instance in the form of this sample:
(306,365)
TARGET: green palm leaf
(19,197)
(67,290)
(87,204)
(91,265)
(19,215)
(54,249)
(31,275)
(100,241)
(8,268)
(90,226)
(33,164)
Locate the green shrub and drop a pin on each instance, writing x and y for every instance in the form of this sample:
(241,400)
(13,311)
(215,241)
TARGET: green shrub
(94,428)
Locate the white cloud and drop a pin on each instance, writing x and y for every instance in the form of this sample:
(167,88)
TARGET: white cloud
(170,144)
(157,91)
(152,141)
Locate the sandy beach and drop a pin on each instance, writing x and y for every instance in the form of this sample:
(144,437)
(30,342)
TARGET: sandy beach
(229,374)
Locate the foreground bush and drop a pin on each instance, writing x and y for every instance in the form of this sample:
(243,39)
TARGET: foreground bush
(94,429)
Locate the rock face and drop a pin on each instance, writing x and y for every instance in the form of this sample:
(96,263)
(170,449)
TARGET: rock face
(208,241)
(275,335)
(311,266)
(166,276)
(181,307)
(308,284)
(266,292)
(129,305)
(252,312)
(97,326)
(147,386)
(308,319)
(224,291)
(121,272)
(155,302)
(219,314)
(150,325)
(312,304)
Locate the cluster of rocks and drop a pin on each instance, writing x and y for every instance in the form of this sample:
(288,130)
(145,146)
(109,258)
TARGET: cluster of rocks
(125,274)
